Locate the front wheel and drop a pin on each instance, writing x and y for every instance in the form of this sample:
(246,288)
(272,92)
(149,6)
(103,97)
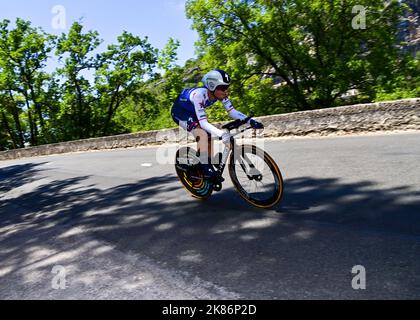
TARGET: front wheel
(256,176)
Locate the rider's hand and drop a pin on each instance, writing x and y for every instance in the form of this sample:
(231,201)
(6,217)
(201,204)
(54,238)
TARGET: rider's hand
(255,124)
(226,138)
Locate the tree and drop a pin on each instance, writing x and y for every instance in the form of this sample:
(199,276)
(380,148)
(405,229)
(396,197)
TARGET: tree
(23,54)
(121,72)
(10,117)
(148,108)
(76,49)
(168,55)
(311,45)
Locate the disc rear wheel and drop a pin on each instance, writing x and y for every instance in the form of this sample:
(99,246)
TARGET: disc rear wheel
(189,171)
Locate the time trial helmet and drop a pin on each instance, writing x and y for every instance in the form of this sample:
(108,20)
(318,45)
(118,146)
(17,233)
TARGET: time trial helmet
(216,78)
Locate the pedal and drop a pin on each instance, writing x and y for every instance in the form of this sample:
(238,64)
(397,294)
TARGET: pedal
(217,186)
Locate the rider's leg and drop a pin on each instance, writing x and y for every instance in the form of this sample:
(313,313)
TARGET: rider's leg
(204,142)
(210,147)
(204,147)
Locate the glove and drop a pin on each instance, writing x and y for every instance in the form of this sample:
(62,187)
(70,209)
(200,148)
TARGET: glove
(226,138)
(256,125)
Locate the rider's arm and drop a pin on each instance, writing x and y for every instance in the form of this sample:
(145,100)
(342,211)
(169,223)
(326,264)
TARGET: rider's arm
(198,102)
(233,113)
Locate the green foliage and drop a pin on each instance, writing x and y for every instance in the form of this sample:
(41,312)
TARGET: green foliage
(23,54)
(120,75)
(283,56)
(77,110)
(168,55)
(309,45)
(405,84)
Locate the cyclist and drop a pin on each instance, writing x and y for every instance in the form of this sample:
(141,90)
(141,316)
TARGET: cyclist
(188,111)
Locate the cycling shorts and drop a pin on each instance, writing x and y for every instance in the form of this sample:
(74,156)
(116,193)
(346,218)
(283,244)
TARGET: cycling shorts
(184,118)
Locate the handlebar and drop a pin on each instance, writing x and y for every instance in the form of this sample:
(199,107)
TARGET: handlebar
(236,124)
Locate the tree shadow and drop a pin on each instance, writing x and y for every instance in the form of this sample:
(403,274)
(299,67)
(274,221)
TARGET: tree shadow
(304,249)
(15,176)
(360,205)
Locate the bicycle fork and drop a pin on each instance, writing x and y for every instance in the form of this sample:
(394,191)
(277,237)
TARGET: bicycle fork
(252,173)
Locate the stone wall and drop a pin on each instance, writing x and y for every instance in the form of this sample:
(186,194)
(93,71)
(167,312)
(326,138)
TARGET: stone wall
(372,117)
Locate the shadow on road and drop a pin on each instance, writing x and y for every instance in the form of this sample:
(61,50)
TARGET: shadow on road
(360,205)
(261,254)
(18,175)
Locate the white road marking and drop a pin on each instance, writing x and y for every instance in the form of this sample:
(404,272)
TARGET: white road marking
(146,164)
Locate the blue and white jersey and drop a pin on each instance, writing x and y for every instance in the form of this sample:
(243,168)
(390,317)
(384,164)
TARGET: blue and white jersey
(190,96)
(196,100)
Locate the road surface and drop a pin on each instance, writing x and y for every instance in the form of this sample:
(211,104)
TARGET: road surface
(118,225)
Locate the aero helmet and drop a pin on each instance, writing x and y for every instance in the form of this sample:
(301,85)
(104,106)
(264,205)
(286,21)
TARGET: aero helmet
(216,78)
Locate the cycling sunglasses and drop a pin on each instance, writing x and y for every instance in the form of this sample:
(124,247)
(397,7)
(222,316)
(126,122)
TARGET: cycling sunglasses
(222,88)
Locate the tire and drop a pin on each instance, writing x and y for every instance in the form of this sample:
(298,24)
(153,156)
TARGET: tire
(190,173)
(275,190)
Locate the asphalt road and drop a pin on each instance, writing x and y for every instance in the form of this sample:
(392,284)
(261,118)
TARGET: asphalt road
(118,225)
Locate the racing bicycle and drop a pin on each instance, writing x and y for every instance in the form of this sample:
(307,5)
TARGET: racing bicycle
(253,172)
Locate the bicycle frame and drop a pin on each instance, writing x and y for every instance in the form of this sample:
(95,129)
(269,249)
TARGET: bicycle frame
(225,155)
